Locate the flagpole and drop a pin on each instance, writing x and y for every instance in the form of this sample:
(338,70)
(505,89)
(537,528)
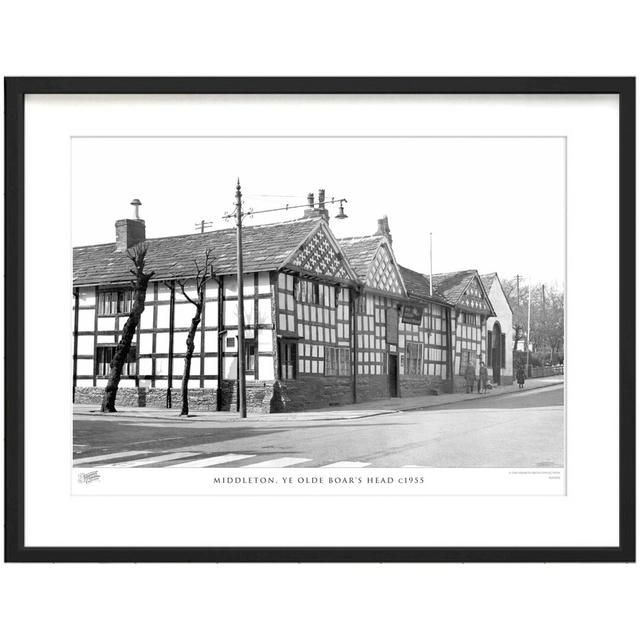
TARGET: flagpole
(430,264)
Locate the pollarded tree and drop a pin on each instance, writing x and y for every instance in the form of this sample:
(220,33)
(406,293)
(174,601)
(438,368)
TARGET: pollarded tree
(138,255)
(203,273)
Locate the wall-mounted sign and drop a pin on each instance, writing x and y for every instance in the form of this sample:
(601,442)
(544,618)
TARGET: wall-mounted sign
(412,315)
(392,326)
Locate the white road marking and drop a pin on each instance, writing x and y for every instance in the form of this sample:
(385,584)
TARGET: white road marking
(152,460)
(346,463)
(279,462)
(211,461)
(109,456)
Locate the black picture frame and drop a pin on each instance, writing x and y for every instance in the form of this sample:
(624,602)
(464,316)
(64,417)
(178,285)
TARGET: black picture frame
(15,91)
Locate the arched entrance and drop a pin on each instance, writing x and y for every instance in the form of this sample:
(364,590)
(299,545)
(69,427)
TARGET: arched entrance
(496,351)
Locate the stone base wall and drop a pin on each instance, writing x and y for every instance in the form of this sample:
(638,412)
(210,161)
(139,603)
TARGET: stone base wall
(260,396)
(410,386)
(372,387)
(199,399)
(311,392)
(303,393)
(127,396)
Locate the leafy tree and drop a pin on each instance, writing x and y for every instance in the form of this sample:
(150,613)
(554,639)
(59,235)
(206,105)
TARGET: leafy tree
(137,255)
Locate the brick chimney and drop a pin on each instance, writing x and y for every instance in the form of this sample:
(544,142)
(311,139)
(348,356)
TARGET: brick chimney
(383,229)
(130,232)
(319,211)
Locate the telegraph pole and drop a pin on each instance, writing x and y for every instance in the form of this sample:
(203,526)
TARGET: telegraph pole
(242,382)
(544,318)
(528,327)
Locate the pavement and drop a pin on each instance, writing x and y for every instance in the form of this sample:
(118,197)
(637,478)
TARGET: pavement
(502,429)
(360,410)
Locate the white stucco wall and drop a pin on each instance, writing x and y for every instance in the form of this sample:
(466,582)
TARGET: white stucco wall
(505,318)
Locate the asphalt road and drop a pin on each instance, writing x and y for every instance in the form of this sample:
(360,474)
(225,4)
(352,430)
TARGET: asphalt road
(521,429)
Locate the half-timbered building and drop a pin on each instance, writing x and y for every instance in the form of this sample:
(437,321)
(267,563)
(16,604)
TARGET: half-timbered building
(327,321)
(466,293)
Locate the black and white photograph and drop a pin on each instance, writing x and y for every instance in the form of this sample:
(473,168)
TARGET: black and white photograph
(327,302)
(361,306)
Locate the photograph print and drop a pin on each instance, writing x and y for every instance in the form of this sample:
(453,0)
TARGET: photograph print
(338,303)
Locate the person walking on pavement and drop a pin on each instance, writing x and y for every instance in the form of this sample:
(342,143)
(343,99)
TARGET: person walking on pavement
(469,377)
(483,378)
(520,377)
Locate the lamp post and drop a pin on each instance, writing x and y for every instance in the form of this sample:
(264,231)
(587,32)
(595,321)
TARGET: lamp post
(239,214)
(242,379)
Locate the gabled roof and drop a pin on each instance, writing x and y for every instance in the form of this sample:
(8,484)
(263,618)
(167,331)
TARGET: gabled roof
(360,251)
(453,285)
(265,247)
(487,281)
(417,285)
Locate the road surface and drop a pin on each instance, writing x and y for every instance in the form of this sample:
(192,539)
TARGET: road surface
(521,429)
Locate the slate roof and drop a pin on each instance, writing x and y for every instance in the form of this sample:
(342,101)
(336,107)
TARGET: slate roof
(265,247)
(452,285)
(417,285)
(487,280)
(360,251)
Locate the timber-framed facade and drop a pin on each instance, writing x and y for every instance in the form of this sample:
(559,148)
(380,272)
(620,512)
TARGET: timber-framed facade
(328,321)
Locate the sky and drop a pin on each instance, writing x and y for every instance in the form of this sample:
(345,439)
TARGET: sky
(492,204)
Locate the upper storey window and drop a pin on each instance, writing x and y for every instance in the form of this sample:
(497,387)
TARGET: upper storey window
(111,303)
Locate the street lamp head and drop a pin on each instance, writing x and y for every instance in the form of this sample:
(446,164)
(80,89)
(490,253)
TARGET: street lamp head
(341,214)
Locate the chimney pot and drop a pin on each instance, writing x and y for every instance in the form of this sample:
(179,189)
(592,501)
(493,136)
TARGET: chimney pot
(319,211)
(383,229)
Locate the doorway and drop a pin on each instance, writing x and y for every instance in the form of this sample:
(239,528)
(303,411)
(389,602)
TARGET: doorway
(496,351)
(393,375)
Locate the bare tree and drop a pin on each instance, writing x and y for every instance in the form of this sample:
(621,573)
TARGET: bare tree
(547,316)
(203,273)
(138,255)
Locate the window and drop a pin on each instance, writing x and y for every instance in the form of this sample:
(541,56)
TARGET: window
(111,303)
(105,356)
(414,358)
(310,292)
(231,343)
(470,318)
(315,293)
(288,359)
(503,351)
(250,356)
(337,361)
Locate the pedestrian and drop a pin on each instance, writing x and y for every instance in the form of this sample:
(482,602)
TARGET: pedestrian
(469,377)
(520,377)
(483,378)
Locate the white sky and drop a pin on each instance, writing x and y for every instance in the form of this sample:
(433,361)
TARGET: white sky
(494,204)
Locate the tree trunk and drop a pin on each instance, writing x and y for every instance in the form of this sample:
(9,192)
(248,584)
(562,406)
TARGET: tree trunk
(195,321)
(122,350)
